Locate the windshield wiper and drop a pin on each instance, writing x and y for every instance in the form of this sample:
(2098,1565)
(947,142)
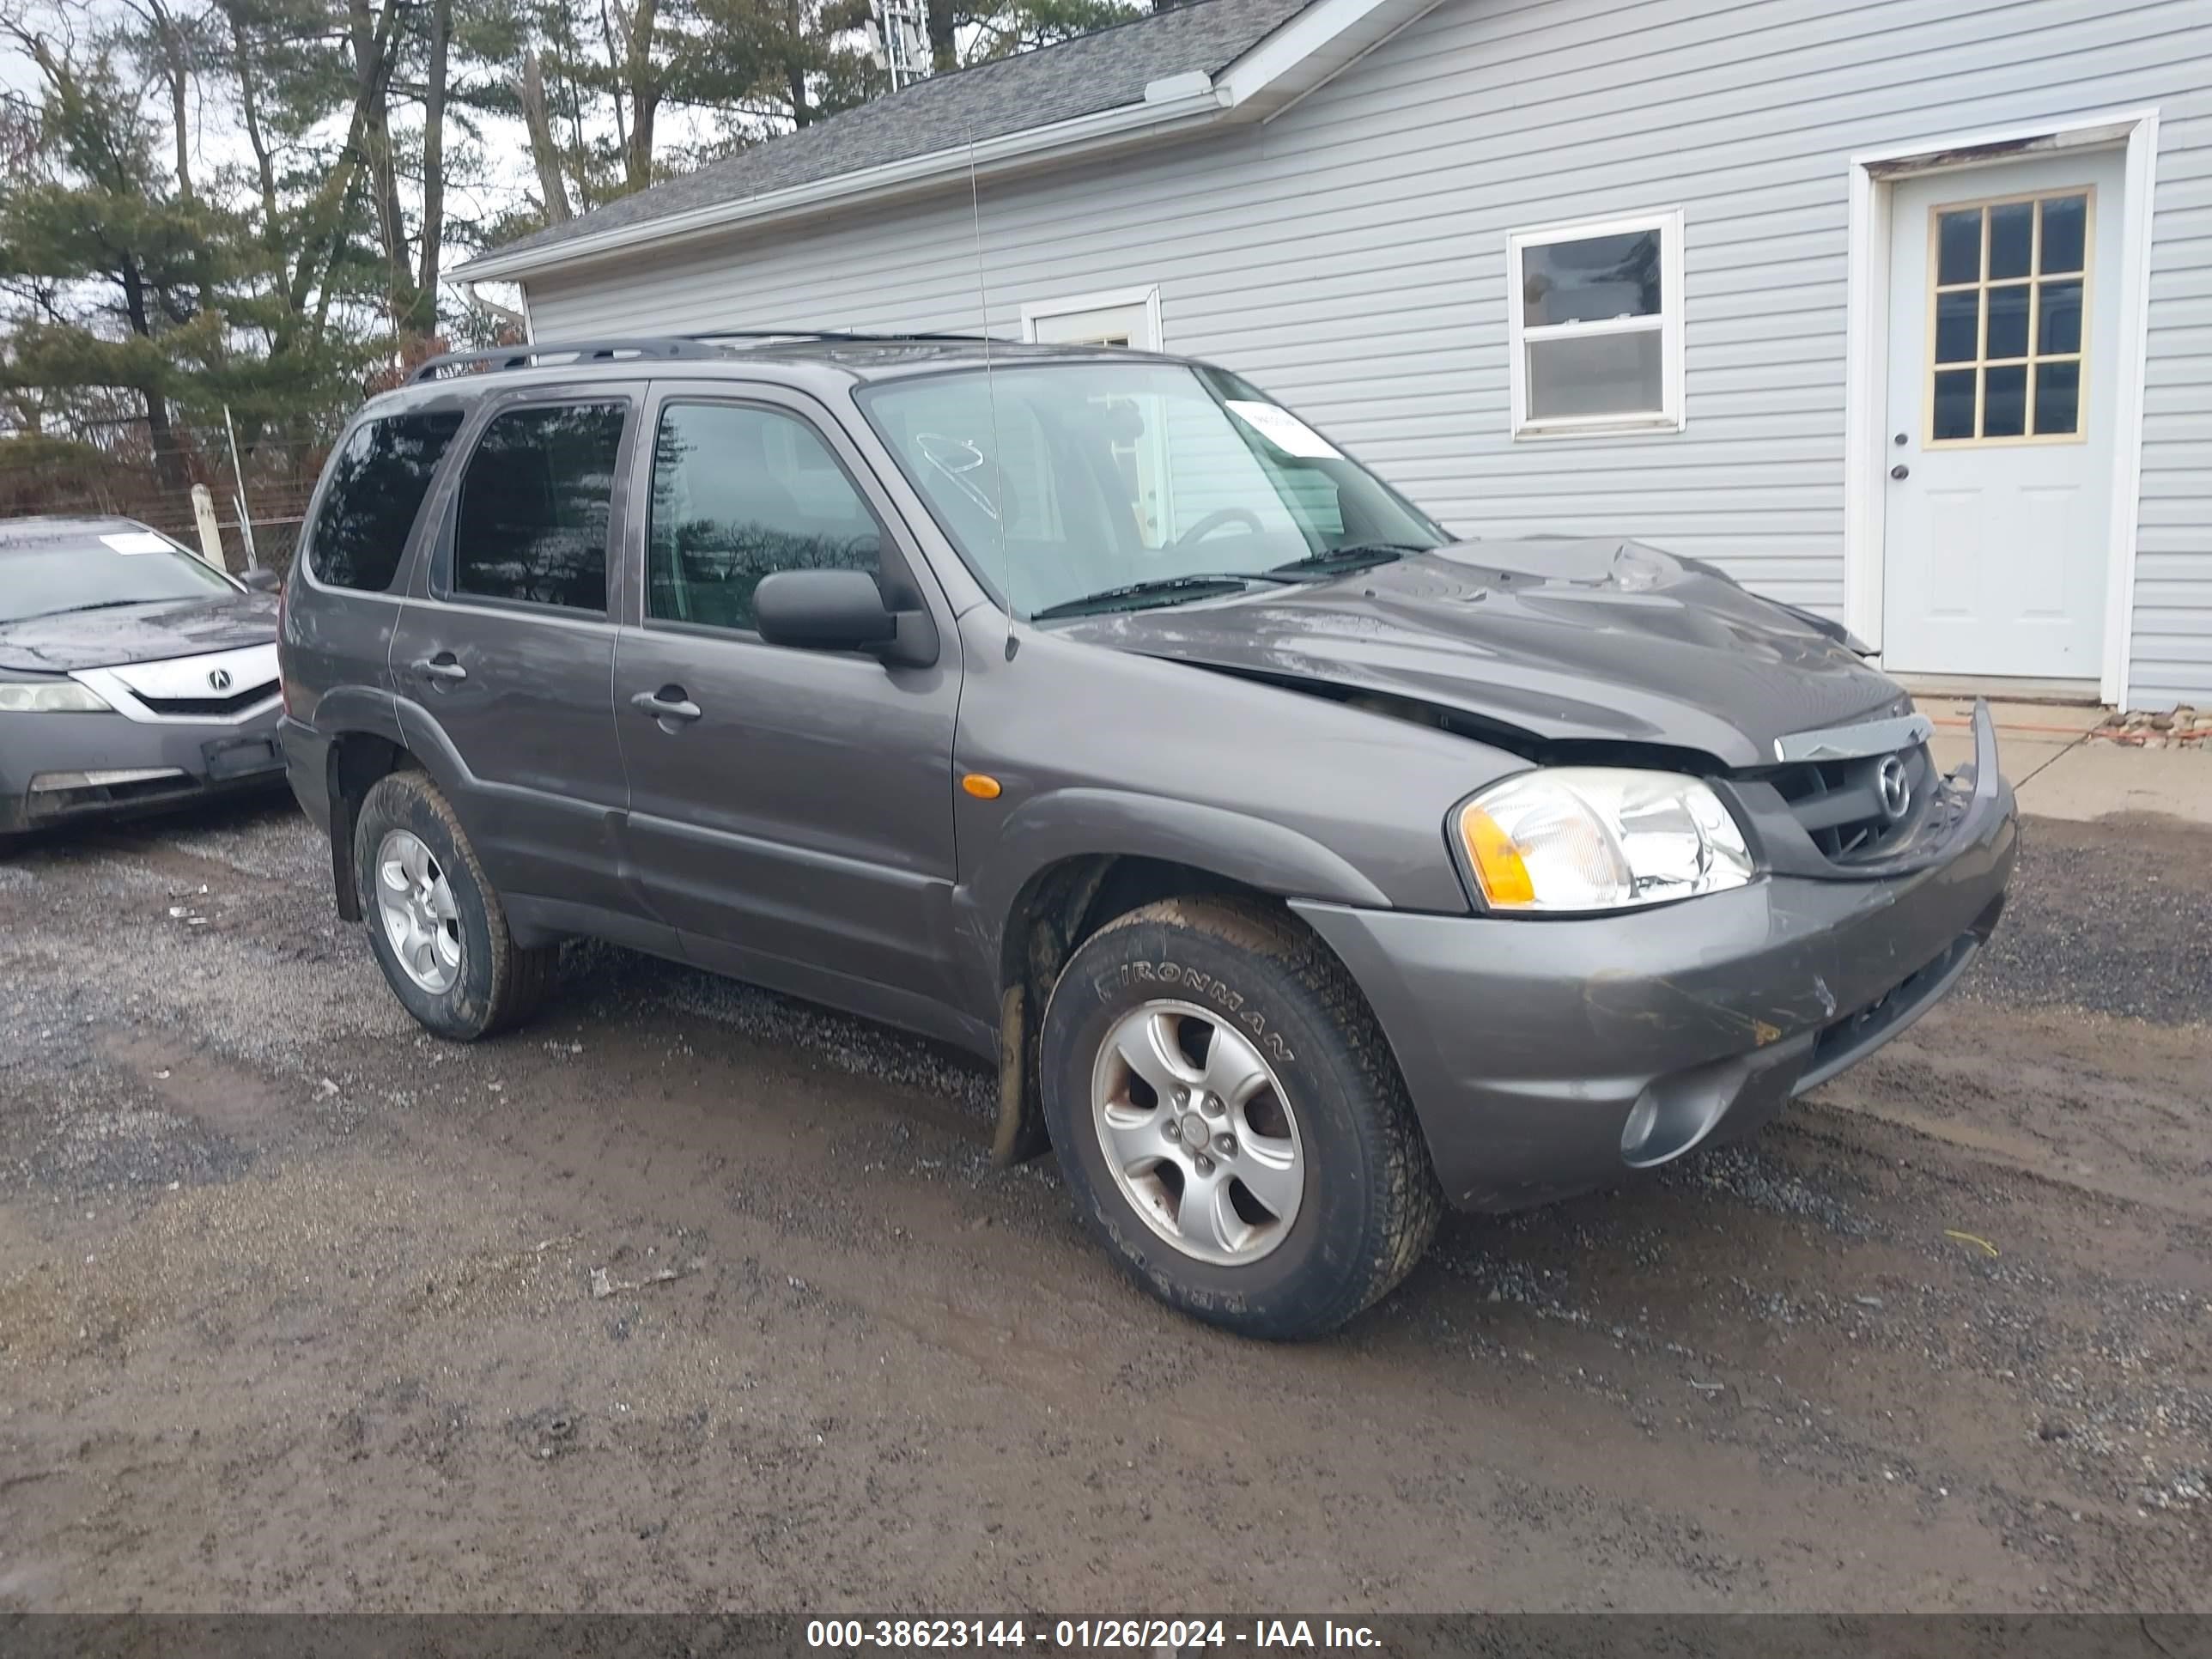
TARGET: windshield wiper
(1169,587)
(1354,555)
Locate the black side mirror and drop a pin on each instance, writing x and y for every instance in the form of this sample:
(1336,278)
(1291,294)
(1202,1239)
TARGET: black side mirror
(840,610)
(262,581)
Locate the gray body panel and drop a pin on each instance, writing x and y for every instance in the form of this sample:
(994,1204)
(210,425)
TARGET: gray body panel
(808,828)
(214,757)
(1591,640)
(139,633)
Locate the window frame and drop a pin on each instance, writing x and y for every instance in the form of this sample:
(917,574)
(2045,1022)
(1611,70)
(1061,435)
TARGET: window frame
(1144,297)
(1671,416)
(429,512)
(440,585)
(897,568)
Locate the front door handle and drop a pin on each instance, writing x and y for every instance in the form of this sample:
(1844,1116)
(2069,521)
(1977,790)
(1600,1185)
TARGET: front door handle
(440,667)
(669,703)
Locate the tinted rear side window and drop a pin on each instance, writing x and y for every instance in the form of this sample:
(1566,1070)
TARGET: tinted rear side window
(535,503)
(378,480)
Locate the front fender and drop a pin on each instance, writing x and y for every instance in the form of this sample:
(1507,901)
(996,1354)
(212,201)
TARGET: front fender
(1086,822)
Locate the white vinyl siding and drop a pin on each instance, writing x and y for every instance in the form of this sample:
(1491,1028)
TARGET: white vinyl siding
(1350,258)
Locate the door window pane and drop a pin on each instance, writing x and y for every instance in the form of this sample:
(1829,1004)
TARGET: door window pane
(1958,242)
(1595,375)
(1959,326)
(2012,239)
(1592,280)
(1955,404)
(2007,323)
(2065,222)
(378,480)
(2058,397)
(2007,335)
(535,503)
(739,492)
(2059,332)
(2004,401)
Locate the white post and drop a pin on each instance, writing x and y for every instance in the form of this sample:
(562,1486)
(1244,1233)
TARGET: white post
(238,474)
(210,533)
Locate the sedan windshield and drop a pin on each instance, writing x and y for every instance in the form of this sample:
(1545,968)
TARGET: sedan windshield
(97,571)
(1082,486)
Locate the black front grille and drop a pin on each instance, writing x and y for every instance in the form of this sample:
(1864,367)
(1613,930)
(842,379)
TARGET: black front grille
(210,708)
(1843,807)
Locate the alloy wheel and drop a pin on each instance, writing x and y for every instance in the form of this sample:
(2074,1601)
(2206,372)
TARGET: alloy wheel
(415,905)
(1199,1132)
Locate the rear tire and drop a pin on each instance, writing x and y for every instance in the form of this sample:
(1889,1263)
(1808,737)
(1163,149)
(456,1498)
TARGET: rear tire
(1274,1182)
(434,920)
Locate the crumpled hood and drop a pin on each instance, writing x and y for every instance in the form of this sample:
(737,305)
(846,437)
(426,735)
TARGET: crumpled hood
(1595,639)
(135,633)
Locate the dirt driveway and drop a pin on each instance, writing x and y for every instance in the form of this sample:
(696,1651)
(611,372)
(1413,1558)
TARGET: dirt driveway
(690,1299)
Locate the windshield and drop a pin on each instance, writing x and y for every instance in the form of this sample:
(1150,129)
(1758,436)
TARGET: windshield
(1059,481)
(123,566)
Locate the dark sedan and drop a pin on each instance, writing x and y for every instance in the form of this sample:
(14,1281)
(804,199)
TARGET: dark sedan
(132,674)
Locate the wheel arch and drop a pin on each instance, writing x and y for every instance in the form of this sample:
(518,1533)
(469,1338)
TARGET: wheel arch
(365,743)
(1057,905)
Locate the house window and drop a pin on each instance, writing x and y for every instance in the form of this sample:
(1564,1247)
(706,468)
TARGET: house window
(1595,326)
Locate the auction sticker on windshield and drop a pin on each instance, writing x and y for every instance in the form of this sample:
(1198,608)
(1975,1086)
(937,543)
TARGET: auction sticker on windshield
(1284,430)
(138,541)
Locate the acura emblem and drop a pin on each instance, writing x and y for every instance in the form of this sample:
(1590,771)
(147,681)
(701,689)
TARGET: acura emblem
(219,679)
(1896,788)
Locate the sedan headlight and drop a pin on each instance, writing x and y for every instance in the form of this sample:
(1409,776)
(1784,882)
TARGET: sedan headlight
(49,697)
(1570,838)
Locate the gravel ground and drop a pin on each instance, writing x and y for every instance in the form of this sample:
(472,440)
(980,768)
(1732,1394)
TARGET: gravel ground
(692,1297)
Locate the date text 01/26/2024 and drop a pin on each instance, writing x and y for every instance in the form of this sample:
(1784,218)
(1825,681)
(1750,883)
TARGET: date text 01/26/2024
(1140,1635)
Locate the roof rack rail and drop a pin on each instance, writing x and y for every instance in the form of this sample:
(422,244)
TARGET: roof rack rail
(830,334)
(578,351)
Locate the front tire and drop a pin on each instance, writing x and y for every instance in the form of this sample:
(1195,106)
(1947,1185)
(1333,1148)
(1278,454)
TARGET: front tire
(1231,1120)
(434,920)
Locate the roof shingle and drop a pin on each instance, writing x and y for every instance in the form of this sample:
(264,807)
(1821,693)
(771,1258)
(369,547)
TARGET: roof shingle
(1081,76)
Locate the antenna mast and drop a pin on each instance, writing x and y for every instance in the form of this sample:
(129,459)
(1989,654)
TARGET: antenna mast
(902,40)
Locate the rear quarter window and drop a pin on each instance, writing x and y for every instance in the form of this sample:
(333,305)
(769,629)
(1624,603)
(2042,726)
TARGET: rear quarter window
(377,479)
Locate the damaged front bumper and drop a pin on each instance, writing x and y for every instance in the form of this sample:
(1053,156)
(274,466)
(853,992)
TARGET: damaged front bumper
(1548,1057)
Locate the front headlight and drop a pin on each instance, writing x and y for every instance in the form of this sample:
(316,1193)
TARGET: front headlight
(49,697)
(1599,838)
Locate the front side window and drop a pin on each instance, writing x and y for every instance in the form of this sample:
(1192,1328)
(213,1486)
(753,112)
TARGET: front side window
(535,506)
(1595,326)
(1058,481)
(377,479)
(46,575)
(740,492)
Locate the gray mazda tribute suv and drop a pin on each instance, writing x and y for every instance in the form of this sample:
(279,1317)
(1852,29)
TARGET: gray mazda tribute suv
(1302,868)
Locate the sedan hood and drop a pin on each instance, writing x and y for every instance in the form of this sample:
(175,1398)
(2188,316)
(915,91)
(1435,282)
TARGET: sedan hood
(135,633)
(1567,640)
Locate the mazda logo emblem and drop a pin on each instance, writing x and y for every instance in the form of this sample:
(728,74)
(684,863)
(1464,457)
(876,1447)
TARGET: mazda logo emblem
(219,679)
(1896,788)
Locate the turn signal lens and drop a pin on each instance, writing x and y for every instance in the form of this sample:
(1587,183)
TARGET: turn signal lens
(980,786)
(1583,838)
(1497,863)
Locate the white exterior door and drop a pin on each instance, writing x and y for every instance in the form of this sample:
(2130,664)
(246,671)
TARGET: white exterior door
(2003,361)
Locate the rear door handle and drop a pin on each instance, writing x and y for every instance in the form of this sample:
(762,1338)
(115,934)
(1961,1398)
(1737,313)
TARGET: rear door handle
(440,667)
(669,703)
